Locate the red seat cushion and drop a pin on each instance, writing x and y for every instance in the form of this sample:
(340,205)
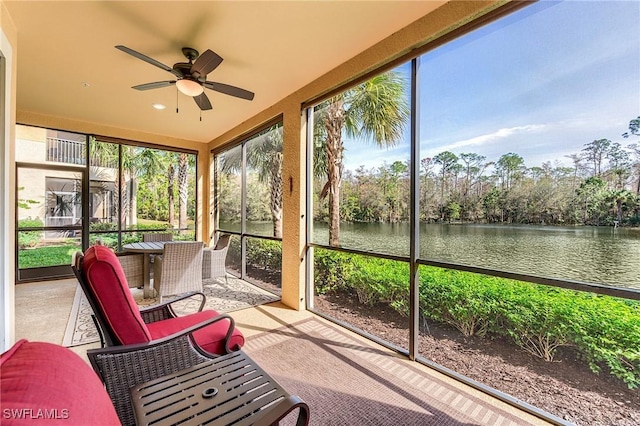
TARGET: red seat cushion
(43,383)
(103,273)
(210,338)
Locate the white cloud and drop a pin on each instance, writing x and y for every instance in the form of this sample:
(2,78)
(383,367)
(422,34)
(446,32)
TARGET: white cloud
(494,137)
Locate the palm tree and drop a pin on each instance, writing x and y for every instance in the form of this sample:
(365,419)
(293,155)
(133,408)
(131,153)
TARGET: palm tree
(183,189)
(375,110)
(264,153)
(137,162)
(618,198)
(171,158)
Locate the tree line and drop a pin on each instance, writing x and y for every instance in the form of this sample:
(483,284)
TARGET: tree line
(601,187)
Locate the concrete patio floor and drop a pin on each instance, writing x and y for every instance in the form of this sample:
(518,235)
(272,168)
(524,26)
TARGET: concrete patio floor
(42,310)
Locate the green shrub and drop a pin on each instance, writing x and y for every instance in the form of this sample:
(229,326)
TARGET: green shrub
(537,318)
(463,300)
(264,254)
(27,239)
(380,280)
(332,270)
(604,330)
(100,226)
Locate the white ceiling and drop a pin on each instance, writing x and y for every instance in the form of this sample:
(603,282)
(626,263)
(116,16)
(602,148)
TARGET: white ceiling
(271,48)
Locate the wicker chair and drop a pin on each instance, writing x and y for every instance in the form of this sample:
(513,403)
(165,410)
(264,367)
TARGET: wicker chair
(177,270)
(153,237)
(214,259)
(161,236)
(132,265)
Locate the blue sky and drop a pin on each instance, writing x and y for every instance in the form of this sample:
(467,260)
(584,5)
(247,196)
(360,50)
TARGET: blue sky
(542,83)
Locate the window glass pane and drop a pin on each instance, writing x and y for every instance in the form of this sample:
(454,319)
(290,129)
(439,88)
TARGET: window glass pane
(536,343)
(229,189)
(361,166)
(365,292)
(158,191)
(50,197)
(36,249)
(49,216)
(103,192)
(524,166)
(264,264)
(264,183)
(40,145)
(248,201)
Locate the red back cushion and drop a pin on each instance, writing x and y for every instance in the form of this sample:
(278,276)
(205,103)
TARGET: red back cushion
(103,273)
(43,383)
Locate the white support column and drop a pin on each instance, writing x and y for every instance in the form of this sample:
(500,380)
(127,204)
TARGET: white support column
(7,202)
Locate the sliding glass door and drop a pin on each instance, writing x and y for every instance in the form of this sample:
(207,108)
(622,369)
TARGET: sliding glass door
(248,205)
(50,219)
(75,189)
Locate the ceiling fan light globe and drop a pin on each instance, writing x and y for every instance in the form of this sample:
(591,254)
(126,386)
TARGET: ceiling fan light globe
(189,87)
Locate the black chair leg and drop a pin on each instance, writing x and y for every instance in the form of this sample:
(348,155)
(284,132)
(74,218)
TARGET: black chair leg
(95,322)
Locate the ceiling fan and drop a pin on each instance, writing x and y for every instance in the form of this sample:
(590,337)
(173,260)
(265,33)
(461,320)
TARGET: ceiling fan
(191,77)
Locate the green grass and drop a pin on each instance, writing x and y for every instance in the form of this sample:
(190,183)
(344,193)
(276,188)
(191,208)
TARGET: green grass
(46,256)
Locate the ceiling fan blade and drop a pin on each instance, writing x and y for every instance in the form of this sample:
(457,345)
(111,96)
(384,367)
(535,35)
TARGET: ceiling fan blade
(144,58)
(202,101)
(205,63)
(229,90)
(154,85)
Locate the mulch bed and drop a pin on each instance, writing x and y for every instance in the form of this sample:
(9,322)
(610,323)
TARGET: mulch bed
(565,387)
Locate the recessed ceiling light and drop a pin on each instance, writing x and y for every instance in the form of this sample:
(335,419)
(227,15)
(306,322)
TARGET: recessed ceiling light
(159,106)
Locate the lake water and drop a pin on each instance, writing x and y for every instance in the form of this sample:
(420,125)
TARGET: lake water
(599,255)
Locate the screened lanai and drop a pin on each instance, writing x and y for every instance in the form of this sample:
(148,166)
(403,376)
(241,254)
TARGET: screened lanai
(447,190)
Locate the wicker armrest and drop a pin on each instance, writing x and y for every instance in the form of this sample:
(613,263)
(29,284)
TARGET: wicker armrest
(164,311)
(122,367)
(157,313)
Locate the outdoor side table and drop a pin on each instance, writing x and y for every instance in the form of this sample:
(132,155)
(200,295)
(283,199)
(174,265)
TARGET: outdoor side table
(230,389)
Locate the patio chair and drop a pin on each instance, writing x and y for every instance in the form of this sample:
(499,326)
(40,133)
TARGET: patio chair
(214,259)
(153,237)
(121,321)
(178,269)
(161,236)
(132,265)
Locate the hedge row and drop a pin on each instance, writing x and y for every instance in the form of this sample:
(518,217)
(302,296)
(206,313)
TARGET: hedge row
(262,254)
(605,331)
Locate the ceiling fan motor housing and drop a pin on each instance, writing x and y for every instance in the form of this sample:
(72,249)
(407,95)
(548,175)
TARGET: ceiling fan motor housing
(184,68)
